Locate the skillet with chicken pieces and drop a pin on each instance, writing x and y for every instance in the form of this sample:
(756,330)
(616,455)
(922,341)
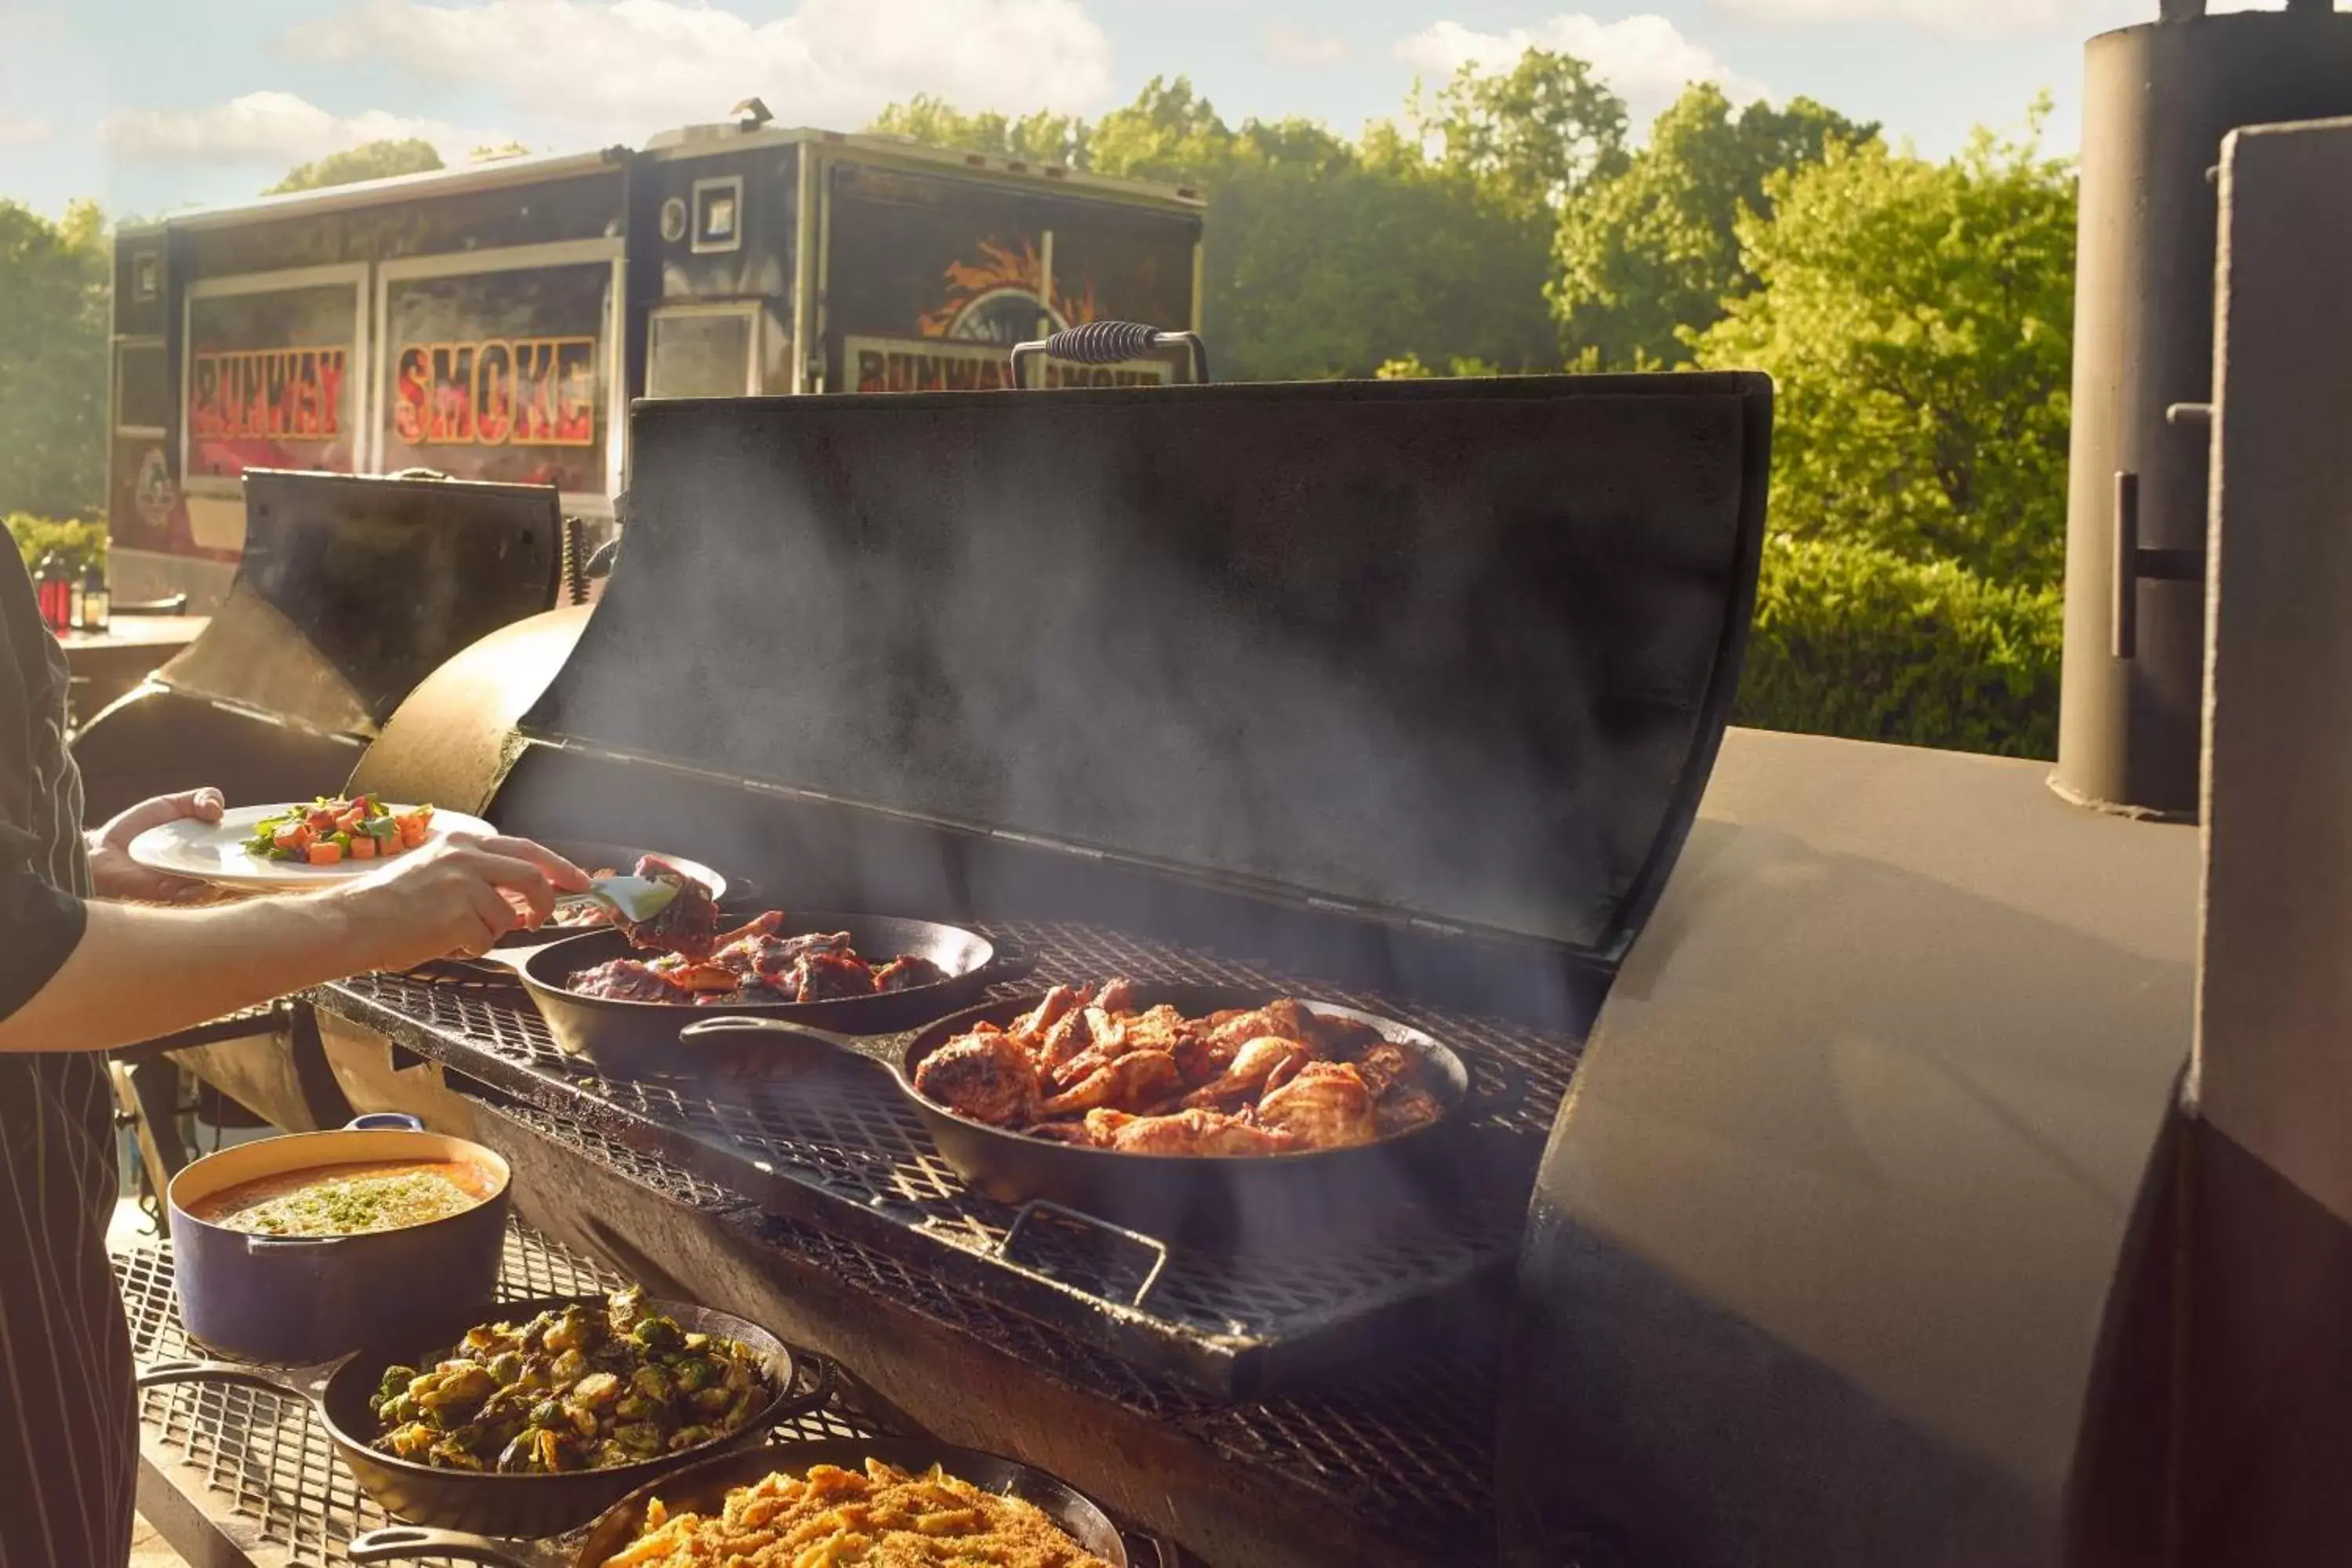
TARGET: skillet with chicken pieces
(1092,1068)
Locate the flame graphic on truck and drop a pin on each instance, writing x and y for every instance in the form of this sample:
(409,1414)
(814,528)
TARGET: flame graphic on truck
(995,300)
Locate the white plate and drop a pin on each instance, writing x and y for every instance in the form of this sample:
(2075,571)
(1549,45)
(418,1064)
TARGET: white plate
(214,852)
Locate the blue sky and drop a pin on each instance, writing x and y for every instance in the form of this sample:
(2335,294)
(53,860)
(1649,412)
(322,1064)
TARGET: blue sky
(152,104)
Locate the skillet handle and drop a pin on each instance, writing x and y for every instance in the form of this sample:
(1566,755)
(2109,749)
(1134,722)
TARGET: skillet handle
(1151,1244)
(884,1048)
(398,1542)
(163,1372)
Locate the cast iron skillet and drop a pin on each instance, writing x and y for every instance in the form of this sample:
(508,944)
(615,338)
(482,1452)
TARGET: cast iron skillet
(703,1488)
(621,858)
(1200,1197)
(496,1504)
(638,1039)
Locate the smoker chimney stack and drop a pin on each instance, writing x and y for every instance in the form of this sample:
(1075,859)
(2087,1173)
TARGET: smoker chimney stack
(2158,100)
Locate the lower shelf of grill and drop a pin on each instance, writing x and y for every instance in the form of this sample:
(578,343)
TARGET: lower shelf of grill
(841,1150)
(262,1464)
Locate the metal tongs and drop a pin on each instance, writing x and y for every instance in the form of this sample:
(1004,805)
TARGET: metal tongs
(635,900)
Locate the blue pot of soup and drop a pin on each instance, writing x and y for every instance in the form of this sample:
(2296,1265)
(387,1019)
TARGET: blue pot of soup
(300,1248)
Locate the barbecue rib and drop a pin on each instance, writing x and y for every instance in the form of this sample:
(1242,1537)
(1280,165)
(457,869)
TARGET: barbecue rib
(688,924)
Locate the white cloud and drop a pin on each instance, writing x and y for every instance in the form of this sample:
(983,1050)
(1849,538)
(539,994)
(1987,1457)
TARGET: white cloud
(1297,46)
(16,131)
(1955,18)
(616,69)
(1645,58)
(263,128)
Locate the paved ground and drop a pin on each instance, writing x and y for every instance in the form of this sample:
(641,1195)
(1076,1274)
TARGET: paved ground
(147,1550)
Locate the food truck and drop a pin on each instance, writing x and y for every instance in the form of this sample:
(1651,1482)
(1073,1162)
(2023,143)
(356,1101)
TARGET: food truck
(492,321)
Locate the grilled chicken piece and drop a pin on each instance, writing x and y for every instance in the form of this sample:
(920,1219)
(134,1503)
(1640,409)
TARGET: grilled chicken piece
(628,980)
(1197,1061)
(1326,1106)
(1190,1132)
(1346,1039)
(688,924)
(1116,996)
(1384,1064)
(1064,1131)
(1160,1028)
(1404,1108)
(1283,1017)
(1109,1040)
(1251,1066)
(906,972)
(1058,1003)
(828,976)
(1138,1077)
(984,1075)
(1066,1040)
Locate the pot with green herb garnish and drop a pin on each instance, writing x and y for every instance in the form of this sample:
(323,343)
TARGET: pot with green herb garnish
(299,1247)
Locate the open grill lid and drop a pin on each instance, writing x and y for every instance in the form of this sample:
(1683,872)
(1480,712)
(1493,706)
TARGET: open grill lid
(1457,653)
(354,588)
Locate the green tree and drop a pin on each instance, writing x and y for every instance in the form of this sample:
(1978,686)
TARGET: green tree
(1042,137)
(1648,255)
(368,161)
(1319,259)
(1917,319)
(1533,137)
(54,280)
(1170,132)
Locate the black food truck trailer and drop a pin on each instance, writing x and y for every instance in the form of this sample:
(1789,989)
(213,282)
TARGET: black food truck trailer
(492,321)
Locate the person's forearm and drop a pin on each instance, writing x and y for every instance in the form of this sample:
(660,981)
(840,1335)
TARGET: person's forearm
(140,972)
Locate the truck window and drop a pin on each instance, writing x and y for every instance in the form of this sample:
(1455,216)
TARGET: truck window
(142,390)
(702,351)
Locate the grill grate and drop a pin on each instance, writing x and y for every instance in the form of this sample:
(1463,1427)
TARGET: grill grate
(1407,1444)
(843,1152)
(264,1460)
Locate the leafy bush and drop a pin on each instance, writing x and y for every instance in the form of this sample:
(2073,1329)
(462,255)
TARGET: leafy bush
(1853,640)
(79,543)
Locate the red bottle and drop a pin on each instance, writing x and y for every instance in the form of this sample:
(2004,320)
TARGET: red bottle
(55,582)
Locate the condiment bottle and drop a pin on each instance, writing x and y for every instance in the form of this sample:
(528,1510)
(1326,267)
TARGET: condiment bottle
(94,605)
(55,582)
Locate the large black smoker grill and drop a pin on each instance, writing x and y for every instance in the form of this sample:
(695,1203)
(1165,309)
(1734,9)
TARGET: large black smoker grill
(1870,1228)
(1374,691)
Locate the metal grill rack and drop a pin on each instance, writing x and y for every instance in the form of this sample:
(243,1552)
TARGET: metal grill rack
(1407,1444)
(838,1150)
(262,1461)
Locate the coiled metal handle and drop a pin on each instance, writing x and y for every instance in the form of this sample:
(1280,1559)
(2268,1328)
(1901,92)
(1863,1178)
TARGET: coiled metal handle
(1110,342)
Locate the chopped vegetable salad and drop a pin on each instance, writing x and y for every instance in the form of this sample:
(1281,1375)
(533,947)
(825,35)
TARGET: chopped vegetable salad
(328,832)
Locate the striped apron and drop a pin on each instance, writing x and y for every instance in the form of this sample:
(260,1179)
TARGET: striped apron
(68,1420)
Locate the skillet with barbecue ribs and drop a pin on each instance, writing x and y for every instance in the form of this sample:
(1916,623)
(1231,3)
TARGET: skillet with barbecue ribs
(1094,1070)
(701,966)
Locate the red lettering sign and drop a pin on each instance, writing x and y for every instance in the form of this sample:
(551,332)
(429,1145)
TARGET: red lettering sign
(293,394)
(499,392)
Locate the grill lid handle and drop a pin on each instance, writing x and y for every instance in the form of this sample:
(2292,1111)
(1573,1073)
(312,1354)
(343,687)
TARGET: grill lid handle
(1110,342)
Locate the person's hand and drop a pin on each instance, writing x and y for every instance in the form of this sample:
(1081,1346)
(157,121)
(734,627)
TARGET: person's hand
(454,898)
(116,875)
